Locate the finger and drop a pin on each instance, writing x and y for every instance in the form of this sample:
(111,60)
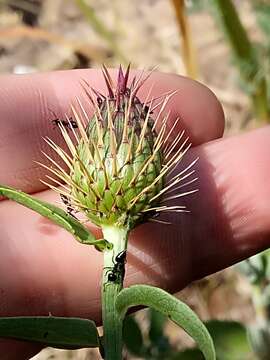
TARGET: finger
(237,170)
(229,216)
(10,349)
(228,222)
(29,104)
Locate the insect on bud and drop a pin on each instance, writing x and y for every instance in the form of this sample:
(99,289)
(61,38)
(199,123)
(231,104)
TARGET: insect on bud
(118,160)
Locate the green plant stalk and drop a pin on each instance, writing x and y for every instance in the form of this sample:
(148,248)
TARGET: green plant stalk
(112,322)
(101,29)
(260,101)
(245,54)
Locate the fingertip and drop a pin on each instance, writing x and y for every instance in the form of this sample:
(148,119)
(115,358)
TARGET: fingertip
(201,114)
(28,104)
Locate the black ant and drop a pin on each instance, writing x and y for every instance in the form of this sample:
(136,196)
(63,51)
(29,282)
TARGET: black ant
(68,124)
(119,267)
(66,201)
(99,101)
(145,111)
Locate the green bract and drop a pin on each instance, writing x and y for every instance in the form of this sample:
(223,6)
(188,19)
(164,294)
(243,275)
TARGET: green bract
(116,166)
(118,161)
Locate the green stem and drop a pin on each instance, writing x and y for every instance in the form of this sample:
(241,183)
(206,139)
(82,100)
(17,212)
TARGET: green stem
(245,55)
(99,26)
(112,285)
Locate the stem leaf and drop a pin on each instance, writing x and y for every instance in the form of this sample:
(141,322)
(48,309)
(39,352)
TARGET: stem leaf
(157,323)
(133,337)
(246,55)
(57,215)
(59,332)
(170,306)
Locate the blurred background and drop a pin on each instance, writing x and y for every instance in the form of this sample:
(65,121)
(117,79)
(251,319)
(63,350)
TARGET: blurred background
(223,44)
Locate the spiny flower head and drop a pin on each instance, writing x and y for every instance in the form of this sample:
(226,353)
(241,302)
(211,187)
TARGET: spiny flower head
(118,161)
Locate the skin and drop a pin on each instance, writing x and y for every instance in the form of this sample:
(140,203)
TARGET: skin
(43,270)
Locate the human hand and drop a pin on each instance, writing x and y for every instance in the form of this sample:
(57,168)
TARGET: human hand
(43,270)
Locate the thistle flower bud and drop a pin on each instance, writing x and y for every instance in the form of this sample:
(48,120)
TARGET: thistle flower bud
(118,162)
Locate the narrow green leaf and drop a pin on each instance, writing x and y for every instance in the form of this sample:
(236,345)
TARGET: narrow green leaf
(170,306)
(132,336)
(55,214)
(59,332)
(100,27)
(159,341)
(245,54)
(157,323)
(188,354)
(230,340)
